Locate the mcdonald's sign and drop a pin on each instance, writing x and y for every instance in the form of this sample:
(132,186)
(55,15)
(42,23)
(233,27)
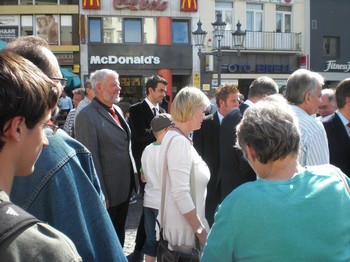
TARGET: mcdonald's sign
(189,5)
(91,4)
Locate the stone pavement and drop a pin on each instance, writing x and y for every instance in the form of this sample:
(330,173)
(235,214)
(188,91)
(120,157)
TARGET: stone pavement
(132,222)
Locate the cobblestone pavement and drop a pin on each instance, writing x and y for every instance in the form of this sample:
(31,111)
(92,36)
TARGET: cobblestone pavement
(132,222)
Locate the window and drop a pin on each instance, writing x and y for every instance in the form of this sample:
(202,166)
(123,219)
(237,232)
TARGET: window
(330,47)
(47,28)
(132,30)
(46,2)
(26,25)
(180,32)
(95,30)
(118,30)
(9,2)
(66,30)
(226,10)
(283,19)
(254,17)
(39,2)
(150,30)
(113,30)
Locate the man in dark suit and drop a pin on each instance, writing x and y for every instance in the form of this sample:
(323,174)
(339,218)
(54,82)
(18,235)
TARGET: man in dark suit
(337,127)
(206,142)
(140,117)
(101,127)
(234,170)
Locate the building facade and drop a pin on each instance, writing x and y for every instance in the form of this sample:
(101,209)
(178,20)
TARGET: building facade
(273,44)
(328,51)
(57,21)
(139,39)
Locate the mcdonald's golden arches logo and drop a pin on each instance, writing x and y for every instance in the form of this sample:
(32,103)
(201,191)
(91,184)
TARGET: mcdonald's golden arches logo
(189,5)
(91,4)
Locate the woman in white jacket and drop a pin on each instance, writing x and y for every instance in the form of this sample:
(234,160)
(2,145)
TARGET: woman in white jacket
(187,174)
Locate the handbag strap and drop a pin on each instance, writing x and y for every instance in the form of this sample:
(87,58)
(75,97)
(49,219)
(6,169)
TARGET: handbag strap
(165,172)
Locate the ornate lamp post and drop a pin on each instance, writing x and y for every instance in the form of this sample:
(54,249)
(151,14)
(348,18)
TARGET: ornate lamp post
(238,37)
(219,33)
(219,30)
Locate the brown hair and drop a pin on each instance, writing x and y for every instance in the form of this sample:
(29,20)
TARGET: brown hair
(24,91)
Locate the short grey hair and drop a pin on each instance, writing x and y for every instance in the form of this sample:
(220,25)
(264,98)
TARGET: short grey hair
(187,102)
(263,86)
(269,128)
(99,76)
(330,93)
(79,91)
(301,82)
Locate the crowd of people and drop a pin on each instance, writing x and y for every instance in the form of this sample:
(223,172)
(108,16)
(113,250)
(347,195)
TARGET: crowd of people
(265,179)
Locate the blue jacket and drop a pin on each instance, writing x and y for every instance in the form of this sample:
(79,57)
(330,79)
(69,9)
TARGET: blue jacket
(64,191)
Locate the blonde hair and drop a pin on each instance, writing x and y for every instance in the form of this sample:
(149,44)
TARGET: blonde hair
(187,102)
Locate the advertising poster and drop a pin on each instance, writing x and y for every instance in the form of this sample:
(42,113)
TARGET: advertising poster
(47,28)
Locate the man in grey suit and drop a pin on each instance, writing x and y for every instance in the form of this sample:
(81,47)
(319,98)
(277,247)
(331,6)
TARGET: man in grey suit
(101,127)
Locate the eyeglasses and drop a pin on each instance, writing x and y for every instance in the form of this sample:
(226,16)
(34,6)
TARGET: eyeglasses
(63,81)
(50,129)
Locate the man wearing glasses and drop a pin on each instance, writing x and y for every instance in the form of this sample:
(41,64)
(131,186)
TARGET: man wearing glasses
(64,190)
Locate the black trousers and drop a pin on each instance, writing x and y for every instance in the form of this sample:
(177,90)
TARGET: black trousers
(118,216)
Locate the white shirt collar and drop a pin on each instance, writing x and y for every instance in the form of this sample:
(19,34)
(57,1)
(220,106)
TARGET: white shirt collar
(151,106)
(220,116)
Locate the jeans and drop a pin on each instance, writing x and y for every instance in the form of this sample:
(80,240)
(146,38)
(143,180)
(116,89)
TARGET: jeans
(151,243)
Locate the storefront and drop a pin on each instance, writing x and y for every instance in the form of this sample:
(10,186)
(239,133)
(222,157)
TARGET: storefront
(242,70)
(135,63)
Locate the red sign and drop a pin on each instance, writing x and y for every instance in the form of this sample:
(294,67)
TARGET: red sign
(189,5)
(91,4)
(156,5)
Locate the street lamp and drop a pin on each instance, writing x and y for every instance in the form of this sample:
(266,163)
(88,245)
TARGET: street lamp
(219,33)
(238,38)
(219,29)
(199,37)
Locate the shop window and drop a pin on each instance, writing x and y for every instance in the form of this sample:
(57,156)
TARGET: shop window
(47,28)
(95,30)
(46,2)
(9,27)
(132,30)
(180,31)
(26,25)
(66,30)
(330,47)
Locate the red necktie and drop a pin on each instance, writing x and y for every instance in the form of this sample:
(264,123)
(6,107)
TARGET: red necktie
(348,124)
(111,110)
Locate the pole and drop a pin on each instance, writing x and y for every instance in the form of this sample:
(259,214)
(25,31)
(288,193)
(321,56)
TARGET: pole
(200,68)
(219,55)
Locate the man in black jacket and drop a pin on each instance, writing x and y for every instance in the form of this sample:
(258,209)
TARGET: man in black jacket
(234,170)
(337,127)
(206,142)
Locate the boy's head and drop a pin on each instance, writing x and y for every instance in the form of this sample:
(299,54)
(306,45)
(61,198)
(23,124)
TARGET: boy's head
(160,122)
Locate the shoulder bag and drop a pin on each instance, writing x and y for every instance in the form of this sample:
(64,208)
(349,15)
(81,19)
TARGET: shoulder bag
(164,254)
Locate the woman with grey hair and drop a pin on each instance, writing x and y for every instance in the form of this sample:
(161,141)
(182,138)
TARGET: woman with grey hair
(290,213)
(186,174)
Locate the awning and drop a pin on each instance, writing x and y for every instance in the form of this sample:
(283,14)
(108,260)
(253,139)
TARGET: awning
(2,44)
(73,80)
